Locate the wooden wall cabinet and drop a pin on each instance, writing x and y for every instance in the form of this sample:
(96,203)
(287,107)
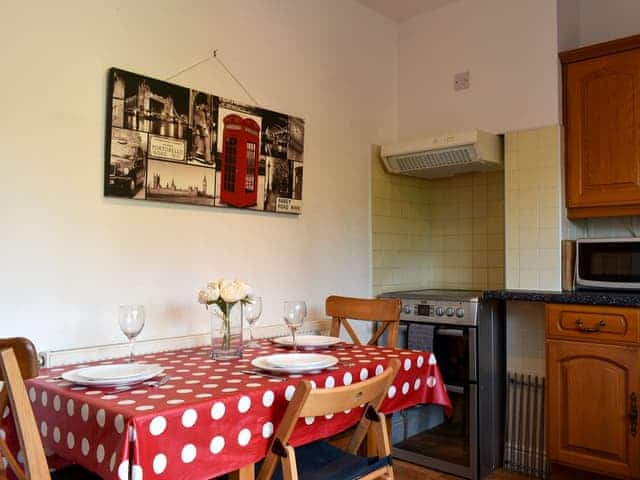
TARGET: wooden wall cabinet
(601,98)
(593,375)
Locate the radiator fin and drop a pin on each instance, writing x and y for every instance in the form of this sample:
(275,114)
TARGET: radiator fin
(524,448)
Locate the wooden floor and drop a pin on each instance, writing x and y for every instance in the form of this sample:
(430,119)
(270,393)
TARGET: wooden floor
(408,471)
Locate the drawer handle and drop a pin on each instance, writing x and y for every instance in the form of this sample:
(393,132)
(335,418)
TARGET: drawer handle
(633,415)
(582,328)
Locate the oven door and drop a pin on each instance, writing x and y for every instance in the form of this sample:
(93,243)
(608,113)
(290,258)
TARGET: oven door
(425,436)
(455,351)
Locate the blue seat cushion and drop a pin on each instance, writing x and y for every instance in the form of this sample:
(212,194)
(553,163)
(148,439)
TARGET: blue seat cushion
(74,472)
(322,461)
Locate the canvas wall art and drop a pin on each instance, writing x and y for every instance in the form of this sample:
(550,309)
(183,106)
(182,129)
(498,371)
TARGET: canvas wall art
(173,144)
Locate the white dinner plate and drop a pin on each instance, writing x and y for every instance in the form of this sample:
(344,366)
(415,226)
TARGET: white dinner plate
(73,377)
(308,341)
(297,360)
(264,363)
(116,371)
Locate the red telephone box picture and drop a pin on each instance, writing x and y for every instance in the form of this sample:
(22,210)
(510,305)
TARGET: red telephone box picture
(239,171)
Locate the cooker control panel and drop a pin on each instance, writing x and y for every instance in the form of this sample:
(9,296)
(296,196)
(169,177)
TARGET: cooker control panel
(431,311)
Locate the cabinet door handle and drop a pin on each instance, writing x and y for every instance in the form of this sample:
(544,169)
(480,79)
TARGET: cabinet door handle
(582,328)
(633,415)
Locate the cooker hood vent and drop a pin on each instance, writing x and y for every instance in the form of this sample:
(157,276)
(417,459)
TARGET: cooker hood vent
(445,156)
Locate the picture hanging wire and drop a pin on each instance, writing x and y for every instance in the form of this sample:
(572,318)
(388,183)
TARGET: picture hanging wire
(214,55)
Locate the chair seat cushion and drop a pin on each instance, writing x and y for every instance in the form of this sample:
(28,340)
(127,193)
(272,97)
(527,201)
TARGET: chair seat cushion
(322,461)
(74,472)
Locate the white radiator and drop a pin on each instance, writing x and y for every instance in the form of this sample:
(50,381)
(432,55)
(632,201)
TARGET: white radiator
(524,448)
(56,358)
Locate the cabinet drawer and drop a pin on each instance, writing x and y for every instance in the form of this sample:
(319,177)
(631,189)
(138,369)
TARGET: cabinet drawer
(598,324)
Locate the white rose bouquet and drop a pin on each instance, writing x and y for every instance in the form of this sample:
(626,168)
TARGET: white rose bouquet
(224,294)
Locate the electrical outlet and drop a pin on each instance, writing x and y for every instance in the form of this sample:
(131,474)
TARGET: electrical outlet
(461,81)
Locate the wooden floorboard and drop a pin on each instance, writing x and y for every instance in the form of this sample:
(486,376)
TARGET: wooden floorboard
(408,471)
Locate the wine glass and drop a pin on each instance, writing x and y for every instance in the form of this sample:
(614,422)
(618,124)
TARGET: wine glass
(252,311)
(131,319)
(294,313)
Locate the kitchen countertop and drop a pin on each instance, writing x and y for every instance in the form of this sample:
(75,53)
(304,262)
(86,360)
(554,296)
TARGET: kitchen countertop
(609,298)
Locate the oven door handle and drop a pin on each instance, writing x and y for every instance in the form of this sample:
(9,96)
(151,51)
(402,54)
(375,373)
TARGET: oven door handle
(454,389)
(450,332)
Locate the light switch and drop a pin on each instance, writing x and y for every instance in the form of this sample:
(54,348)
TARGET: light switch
(461,81)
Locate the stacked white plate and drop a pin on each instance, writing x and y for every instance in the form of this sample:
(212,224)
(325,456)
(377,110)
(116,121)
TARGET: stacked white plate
(294,362)
(308,342)
(113,375)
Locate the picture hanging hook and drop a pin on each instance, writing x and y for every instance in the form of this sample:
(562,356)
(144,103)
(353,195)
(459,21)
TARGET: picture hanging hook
(215,56)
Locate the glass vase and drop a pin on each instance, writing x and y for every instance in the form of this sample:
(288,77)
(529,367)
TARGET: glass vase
(226,331)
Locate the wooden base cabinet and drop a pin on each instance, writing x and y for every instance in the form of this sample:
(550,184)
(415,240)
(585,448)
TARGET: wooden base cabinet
(592,397)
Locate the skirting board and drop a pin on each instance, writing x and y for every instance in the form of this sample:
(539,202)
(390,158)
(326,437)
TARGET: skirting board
(55,358)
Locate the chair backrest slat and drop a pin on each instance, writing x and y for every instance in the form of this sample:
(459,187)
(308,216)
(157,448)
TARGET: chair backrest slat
(324,401)
(35,461)
(386,311)
(25,353)
(372,309)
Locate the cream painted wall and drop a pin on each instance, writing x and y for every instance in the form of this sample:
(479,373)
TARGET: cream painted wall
(568,24)
(508,46)
(584,22)
(602,21)
(70,256)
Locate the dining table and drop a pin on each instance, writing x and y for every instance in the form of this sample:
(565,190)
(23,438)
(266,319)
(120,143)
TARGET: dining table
(212,417)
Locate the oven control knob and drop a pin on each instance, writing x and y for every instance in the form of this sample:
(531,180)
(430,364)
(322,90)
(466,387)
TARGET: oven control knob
(439,311)
(450,311)
(407,309)
(460,312)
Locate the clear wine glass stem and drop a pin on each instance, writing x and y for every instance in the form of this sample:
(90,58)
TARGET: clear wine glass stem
(251,333)
(293,335)
(131,342)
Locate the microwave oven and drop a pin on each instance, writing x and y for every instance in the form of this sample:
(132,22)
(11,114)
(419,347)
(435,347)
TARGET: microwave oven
(607,264)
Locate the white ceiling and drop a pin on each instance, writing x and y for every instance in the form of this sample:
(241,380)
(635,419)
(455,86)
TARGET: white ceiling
(401,10)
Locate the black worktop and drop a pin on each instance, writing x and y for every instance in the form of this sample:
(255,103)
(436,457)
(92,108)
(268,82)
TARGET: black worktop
(609,298)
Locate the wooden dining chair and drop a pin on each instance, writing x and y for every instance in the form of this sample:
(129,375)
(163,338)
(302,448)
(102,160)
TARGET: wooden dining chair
(321,460)
(35,461)
(385,311)
(27,361)
(19,361)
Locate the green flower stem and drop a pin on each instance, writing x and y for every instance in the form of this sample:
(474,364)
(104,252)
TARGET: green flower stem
(225,308)
(226,325)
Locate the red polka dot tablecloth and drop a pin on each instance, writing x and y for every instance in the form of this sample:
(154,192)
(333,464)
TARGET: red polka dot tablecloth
(211,417)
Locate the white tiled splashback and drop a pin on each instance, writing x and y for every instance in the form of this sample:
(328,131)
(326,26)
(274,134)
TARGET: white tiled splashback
(613,227)
(467,232)
(533,210)
(525,337)
(443,233)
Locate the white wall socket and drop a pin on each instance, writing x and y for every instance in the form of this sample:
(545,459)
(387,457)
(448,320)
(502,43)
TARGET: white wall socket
(461,81)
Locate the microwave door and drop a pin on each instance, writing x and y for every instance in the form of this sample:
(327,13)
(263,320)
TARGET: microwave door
(608,264)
